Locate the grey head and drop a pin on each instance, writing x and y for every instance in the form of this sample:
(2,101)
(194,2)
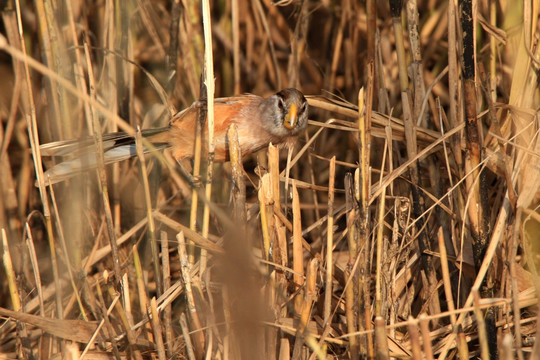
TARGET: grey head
(285,113)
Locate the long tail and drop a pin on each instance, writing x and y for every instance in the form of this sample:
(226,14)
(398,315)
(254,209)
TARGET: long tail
(116,147)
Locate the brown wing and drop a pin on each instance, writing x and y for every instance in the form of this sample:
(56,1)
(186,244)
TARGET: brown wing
(181,135)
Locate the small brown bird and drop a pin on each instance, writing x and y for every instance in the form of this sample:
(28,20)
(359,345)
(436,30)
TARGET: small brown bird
(277,119)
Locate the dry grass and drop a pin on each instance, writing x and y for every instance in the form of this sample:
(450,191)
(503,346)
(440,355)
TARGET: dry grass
(407,226)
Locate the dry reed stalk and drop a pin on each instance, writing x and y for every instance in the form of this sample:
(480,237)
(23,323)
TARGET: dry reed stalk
(264,49)
(284,349)
(506,347)
(463,349)
(199,240)
(209,86)
(309,296)
(380,256)
(236,45)
(63,244)
(478,213)
(329,243)
(96,131)
(496,237)
(148,203)
(446,277)
(409,115)
(239,186)
(156,327)
(35,267)
(297,251)
(30,116)
(167,312)
(10,273)
(141,290)
(172,51)
(187,338)
(266,213)
(513,245)
(414,338)
(417,69)
(261,16)
(351,292)
(198,335)
(105,315)
(197,154)
(381,341)
(362,182)
(124,322)
(426,339)
(482,331)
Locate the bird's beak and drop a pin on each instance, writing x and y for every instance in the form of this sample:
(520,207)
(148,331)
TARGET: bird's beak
(291,119)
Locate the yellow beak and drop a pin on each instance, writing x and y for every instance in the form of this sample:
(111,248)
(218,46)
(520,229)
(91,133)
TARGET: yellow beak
(291,119)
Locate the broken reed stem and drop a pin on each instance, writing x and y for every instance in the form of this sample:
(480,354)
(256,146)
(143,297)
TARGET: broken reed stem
(463,347)
(426,338)
(156,327)
(329,242)
(148,203)
(414,338)
(381,342)
(238,183)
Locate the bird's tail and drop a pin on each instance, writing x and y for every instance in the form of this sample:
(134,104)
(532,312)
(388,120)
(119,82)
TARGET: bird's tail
(82,152)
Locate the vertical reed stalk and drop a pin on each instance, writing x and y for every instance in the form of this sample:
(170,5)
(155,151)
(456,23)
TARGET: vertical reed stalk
(298,254)
(329,243)
(209,82)
(148,203)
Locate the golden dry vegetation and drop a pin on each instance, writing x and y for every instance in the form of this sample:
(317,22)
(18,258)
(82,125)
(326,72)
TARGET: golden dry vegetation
(405,225)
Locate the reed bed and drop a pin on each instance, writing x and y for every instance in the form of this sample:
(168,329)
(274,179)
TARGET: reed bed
(403,224)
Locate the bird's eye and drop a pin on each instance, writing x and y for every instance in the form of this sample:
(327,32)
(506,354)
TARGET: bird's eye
(303,108)
(281,103)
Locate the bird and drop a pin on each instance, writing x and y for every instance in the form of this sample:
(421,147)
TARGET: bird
(276,119)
